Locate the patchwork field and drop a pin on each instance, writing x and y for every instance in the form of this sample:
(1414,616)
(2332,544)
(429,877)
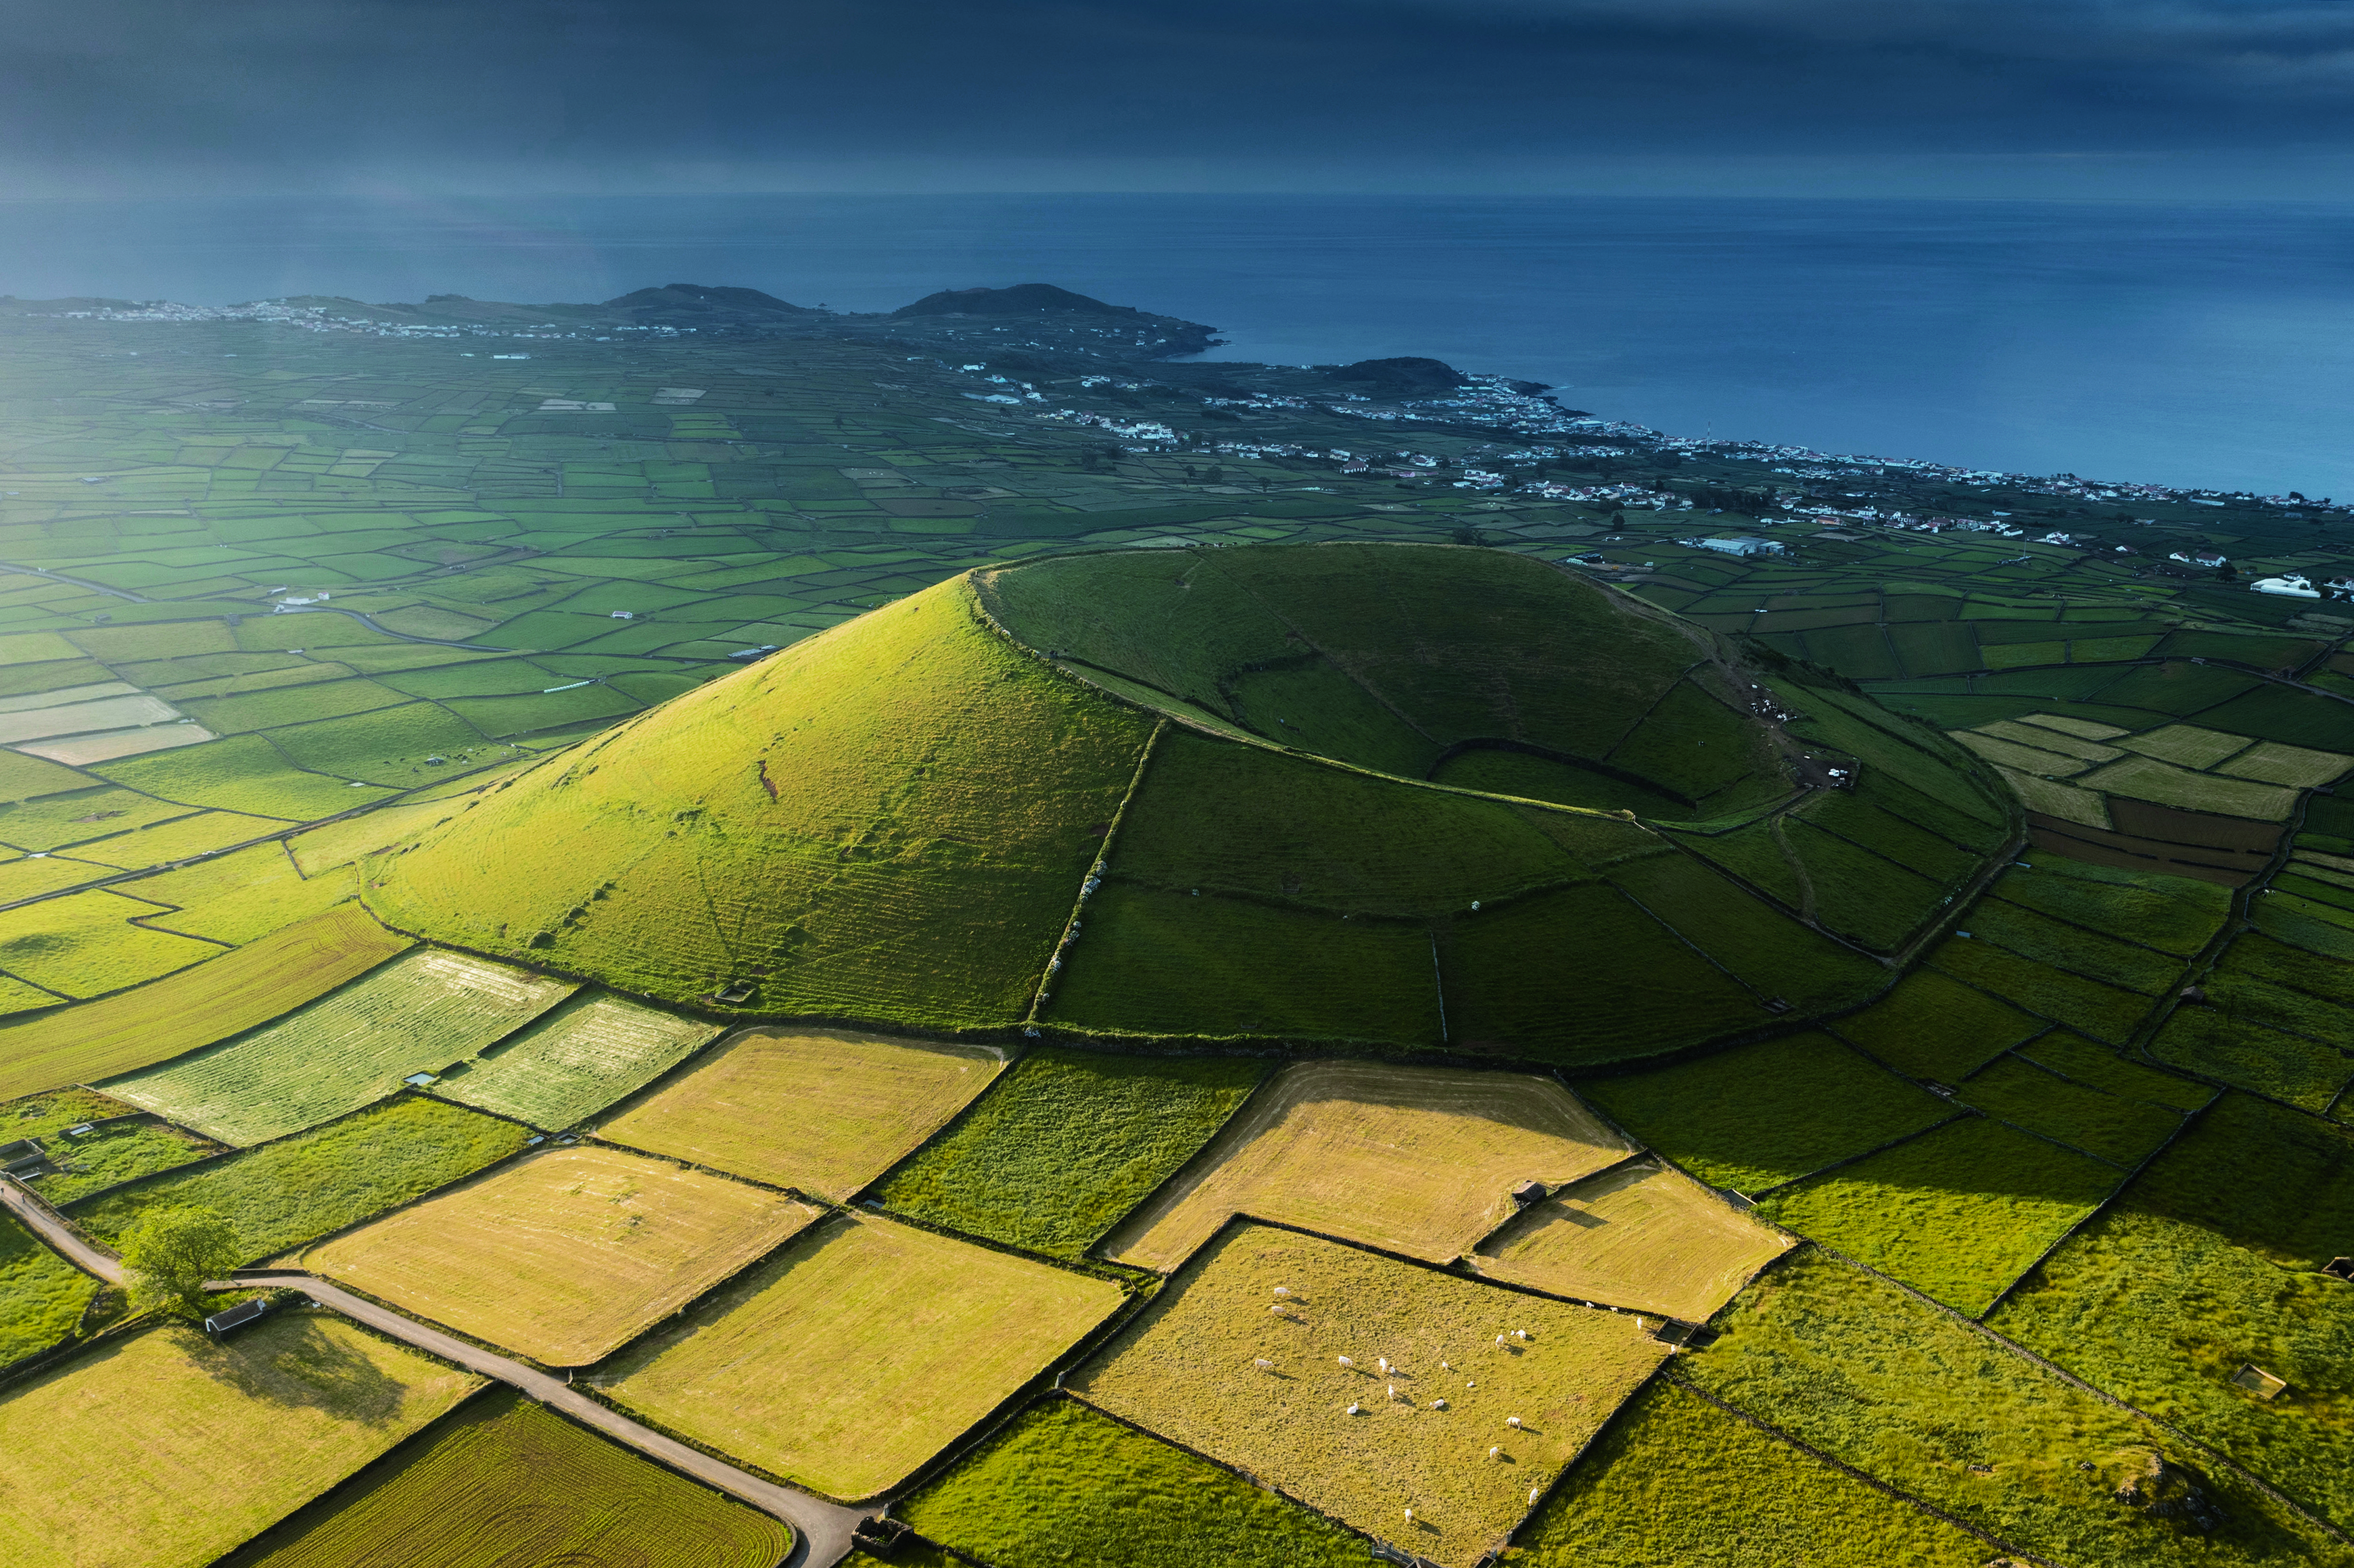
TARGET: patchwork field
(418,1013)
(298,1189)
(858,1354)
(1877,1380)
(1640,1237)
(2210,1262)
(1063,1482)
(83,945)
(507,1481)
(102,1449)
(1678,1480)
(821,1110)
(1933,1026)
(1758,1116)
(1332,1435)
(573,1062)
(1958,1213)
(564,1255)
(1417,1160)
(1067,1142)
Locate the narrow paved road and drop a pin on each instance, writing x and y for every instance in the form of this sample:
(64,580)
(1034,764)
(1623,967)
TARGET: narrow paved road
(820,1528)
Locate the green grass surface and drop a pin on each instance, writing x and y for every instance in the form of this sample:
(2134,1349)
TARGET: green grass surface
(241,773)
(2173,914)
(2206,1265)
(1958,1213)
(83,945)
(1065,1143)
(1677,1480)
(42,1295)
(109,1156)
(2105,1012)
(1932,1026)
(2074,948)
(930,825)
(1857,1369)
(575,1061)
(299,1189)
(2249,1055)
(1758,1116)
(195,1007)
(503,1481)
(422,1011)
(1064,1483)
(2121,1129)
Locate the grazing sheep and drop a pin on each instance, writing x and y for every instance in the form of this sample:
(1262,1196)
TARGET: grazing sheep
(1439,1405)
(1520,1334)
(1496,1451)
(1344,1361)
(1534,1493)
(1383,1362)
(1264,1364)
(1283,1291)
(1409,1516)
(1513,1422)
(1355,1409)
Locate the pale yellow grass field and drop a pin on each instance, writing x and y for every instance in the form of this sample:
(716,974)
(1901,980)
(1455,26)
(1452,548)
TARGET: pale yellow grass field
(860,1353)
(821,1110)
(165,1449)
(2054,799)
(566,1255)
(1420,1160)
(2296,765)
(1640,1237)
(1188,1368)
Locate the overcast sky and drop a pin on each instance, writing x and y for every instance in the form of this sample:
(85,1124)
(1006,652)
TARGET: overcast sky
(2198,97)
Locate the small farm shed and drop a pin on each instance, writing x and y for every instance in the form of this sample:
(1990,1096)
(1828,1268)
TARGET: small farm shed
(236,1316)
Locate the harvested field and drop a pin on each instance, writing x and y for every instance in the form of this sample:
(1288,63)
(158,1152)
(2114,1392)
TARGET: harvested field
(2188,745)
(196,1007)
(1640,1237)
(165,1449)
(1958,1213)
(575,1061)
(565,1254)
(1758,1116)
(1187,1368)
(2273,763)
(859,1352)
(419,1013)
(302,1187)
(821,1110)
(1067,1142)
(2054,799)
(1678,1480)
(2145,778)
(1064,1482)
(507,1481)
(1420,1160)
(2013,757)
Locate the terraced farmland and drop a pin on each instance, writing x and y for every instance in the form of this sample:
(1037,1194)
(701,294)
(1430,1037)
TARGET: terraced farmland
(1417,1160)
(564,1255)
(418,1013)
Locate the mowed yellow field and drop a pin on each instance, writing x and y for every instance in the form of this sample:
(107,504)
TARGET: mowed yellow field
(1641,1236)
(165,1449)
(1210,1365)
(821,1110)
(860,1353)
(566,1255)
(1420,1160)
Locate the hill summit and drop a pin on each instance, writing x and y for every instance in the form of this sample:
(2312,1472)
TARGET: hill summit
(1398,797)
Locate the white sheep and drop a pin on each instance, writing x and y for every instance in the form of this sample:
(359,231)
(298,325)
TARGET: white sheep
(1513,1422)
(1445,1366)
(1393,1390)
(1383,1362)
(1499,1340)
(1520,1334)
(1344,1361)
(1496,1451)
(1355,1409)
(1534,1493)
(1264,1364)
(1439,1405)
(1409,1516)
(1283,1291)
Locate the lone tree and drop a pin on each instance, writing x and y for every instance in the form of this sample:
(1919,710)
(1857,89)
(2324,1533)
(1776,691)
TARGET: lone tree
(171,1255)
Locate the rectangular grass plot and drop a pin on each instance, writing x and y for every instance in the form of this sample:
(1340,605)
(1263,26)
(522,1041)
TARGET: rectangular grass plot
(859,1352)
(1209,1365)
(576,1060)
(822,1110)
(565,1254)
(419,1013)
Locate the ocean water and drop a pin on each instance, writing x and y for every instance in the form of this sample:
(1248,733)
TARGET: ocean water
(2187,345)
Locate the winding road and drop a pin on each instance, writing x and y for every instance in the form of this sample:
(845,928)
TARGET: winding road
(821,1530)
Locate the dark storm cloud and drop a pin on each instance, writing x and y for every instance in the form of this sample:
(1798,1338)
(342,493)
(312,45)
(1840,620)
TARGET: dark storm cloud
(303,92)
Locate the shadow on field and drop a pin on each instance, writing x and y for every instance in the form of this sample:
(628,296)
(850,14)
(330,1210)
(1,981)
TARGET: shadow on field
(295,1364)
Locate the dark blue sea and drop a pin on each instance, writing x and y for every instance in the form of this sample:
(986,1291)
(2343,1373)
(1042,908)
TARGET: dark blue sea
(2206,346)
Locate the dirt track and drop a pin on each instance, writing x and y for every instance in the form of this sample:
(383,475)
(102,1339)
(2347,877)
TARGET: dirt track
(821,1530)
